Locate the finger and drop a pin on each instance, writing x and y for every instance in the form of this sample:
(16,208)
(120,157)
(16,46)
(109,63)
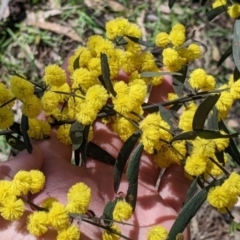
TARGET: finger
(23,161)
(104,137)
(174,186)
(53,149)
(160,93)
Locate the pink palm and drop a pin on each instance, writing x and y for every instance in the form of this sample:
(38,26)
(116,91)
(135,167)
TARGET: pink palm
(154,207)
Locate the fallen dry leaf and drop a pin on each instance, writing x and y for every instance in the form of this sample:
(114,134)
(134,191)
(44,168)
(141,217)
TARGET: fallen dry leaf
(57,28)
(115,6)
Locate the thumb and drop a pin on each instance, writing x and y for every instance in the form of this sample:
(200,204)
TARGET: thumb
(23,161)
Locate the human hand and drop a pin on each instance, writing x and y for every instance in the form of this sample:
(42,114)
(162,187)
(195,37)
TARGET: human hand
(154,206)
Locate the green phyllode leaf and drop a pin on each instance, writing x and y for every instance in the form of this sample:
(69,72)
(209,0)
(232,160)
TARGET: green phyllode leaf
(132,175)
(106,74)
(157,74)
(236,44)
(192,189)
(215,12)
(212,121)
(203,110)
(141,42)
(76,63)
(236,74)
(122,158)
(226,54)
(24,129)
(190,209)
(15,143)
(76,135)
(171,3)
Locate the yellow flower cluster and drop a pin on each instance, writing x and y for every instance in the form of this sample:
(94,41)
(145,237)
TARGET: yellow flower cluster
(57,215)
(157,233)
(122,211)
(233,10)
(175,55)
(200,161)
(224,197)
(11,205)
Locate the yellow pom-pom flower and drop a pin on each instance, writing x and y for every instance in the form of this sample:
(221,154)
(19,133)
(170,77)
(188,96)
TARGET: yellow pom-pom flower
(172,60)
(54,75)
(21,182)
(97,96)
(6,117)
(38,129)
(31,106)
(109,235)
(224,103)
(177,35)
(162,39)
(37,181)
(234,10)
(86,114)
(63,134)
(47,203)
(123,128)
(58,216)
(5,95)
(12,208)
(116,27)
(200,80)
(20,87)
(186,118)
(49,101)
(79,196)
(232,184)
(157,233)
(218,197)
(6,190)
(218,3)
(70,233)
(195,165)
(37,223)
(83,78)
(122,211)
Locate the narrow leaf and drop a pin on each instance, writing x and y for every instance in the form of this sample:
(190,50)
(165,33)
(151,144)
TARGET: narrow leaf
(132,176)
(97,153)
(192,189)
(171,3)
(215,12)
(226,54)
(76,63)
(190,135)
(168,117)
(24,128)
(203,110)
(83,148)
(76,134)
(122,158)
(190,209)
(156,74)
(106,74)
(213,119)
(108,213)
(232,149)
(15,143)
(236,44)
(220,157)
(178,81)
(211,134)
(236,74)
(141,42)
